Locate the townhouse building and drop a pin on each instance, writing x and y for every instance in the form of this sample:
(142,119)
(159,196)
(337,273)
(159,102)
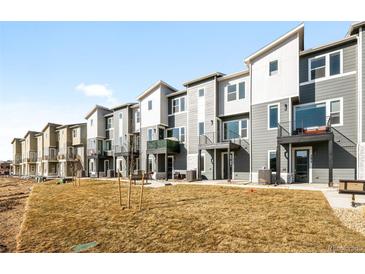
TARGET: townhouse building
(17,157)
(50,150)
(39,163)
(298,112)
(30,153)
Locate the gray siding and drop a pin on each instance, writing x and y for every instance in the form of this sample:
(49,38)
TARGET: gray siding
(349,59)
(263,139)
(363,83)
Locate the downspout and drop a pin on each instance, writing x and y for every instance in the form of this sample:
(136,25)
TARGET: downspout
(359,85)
(250,117)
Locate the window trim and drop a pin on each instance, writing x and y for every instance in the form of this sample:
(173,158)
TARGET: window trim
(328,108)
(198,128)
(179,128)
(275,72)
(172,105)
(268,115)
(148,130)
(239,128)
(234,92)
(148,105)
(237,84)
(327,66)
(198,93)
(268,158)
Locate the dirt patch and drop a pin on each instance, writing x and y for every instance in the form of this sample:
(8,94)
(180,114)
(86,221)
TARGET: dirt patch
(13,195)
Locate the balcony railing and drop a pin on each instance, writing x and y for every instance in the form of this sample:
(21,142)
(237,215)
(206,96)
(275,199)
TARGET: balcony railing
(165,145)
(50,154)
(211,138)
(94,152)
(294,128)
(31,156)
(17,159)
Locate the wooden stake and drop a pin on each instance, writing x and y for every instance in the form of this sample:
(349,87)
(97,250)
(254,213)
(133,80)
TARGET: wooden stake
(120,190)
(129,191)
(140,200)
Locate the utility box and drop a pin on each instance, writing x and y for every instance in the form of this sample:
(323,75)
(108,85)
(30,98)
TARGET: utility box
(264,176)
(191,175)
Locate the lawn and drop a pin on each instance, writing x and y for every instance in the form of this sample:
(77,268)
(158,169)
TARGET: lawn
(182,218)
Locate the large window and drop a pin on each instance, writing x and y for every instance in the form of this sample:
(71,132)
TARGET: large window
(178,105)
(318,114)
(326,65)
(273,67)
(235,91)
(201,128)
(235,129)
(272,160)
(178,133)
(273,116)
(150,134)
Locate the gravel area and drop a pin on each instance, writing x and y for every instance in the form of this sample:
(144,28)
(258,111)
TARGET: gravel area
(352,218)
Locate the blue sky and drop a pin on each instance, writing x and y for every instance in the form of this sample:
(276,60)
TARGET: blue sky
(57,71)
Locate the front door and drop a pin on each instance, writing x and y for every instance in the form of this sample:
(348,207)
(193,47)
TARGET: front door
(225,165)
(301,165)
(170,166)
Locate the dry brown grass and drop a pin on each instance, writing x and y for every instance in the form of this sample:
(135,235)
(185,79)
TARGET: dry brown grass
(13,195)
(183,218)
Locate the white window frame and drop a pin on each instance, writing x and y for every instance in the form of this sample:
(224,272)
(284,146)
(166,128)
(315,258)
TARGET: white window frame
(328,109)
(239,128)
(172,105)
(268,158)
(235,92)
(74,133)
(198,93)
(237,84)
(137,117)
(198,128)
(148,105)
(275,72)
(148,135)
(268,115)
(179,128)
(327,66)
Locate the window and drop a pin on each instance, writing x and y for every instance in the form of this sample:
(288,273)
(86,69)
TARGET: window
(231,93)
(335,63)
(241,90)
(335,112)
(175,105)
(182,104)
(235,129)
(201,92)
(108,145)
(318,67)
(109,122)
(273,116)
(120,116)
(150,163)
(91,122)
(201,128)
(326,65)
(149,105)
(74,133)
(137,117)
(178,133)
(202,162)
(273,67)
(150,134)
(272,160)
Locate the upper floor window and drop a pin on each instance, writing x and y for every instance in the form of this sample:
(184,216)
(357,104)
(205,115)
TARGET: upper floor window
(109,122)
(201,92)
(232,91)
(335,112)
(178,105)
(273,67)
(137,116)
(91,122)
(149,104)
(150,134)
(273,115)
(120,116)
(178,133)
(201,128)
(326,65)
(74,133)
(235,129)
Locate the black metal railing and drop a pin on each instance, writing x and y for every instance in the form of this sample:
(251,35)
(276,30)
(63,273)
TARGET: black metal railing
(210,138)
(302,127)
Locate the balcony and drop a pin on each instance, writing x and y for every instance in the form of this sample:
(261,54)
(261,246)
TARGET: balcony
(50,154)
(31,157)
(211,140)
(17,159)
(305,131)
(95,152)
(164,146)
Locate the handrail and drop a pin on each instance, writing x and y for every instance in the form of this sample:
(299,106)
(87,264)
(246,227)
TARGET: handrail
(283,128)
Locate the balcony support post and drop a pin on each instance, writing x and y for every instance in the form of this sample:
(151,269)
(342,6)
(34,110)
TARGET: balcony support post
(166,171)
(229,164)
(330,162)
(199,175)
(278,161)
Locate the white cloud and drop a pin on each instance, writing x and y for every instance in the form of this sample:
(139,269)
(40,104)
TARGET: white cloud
(97,90)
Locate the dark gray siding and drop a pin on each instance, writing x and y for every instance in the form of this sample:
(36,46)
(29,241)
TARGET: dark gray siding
(349,59)
(263,139)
